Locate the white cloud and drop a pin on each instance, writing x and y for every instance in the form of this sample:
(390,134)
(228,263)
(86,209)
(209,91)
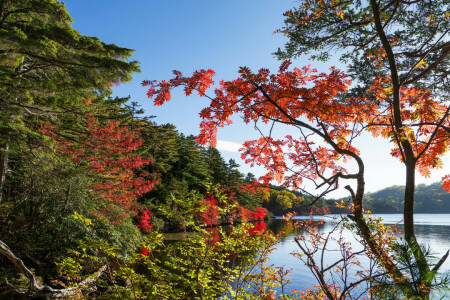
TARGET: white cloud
(228,146)
(234,147)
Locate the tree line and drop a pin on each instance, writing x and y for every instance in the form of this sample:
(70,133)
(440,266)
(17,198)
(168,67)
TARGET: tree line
(429,199)
(72,155)
(82,176)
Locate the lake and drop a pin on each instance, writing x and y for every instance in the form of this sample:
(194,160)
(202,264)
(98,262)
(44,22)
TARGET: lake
(431,229)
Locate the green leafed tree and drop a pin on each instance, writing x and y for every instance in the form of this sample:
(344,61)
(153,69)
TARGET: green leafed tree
(404,43)
(217,166)
(49,72)
(48,69)
(405,39)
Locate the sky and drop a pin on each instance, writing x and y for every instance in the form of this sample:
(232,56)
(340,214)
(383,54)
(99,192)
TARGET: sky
(220,35)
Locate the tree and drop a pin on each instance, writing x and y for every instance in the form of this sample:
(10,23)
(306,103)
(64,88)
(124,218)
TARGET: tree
(48,72)
(282,201)
(192,165)
(110,152)
(324,111)
(406,39)
(402,43)
(48,69)
(216,165)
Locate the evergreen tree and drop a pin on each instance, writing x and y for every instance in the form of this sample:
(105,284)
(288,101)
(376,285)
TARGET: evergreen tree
(234,176)
(48,69)
(191,165)
(217,166)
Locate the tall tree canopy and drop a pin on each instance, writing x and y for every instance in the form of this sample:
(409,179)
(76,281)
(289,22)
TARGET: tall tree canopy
(317,105)
(49,72)
(406,39)
(47,68)
(405,45)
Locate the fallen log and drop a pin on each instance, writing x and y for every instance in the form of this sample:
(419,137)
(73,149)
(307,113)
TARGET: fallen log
(38,290)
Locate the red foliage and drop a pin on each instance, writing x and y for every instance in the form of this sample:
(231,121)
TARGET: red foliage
(210,215)
(249,94)
(329,122)
(144,252)
(243,214)
(257,214)
(446,185)
(109,151)
(258,228)
(144,221)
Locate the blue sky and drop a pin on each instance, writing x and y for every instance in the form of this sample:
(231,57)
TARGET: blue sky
(220,35)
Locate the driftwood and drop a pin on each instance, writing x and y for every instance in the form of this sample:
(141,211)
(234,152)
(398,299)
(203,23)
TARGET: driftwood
(38,290)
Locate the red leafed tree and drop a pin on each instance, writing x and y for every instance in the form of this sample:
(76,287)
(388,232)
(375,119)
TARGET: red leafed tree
(210,214)
(258,228)
(110,152)
(144,221)
(316,106)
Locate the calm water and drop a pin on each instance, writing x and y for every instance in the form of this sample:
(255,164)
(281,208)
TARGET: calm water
(431,229)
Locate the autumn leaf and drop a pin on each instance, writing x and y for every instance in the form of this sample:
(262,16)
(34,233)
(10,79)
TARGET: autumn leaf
(446,185)
(421,64)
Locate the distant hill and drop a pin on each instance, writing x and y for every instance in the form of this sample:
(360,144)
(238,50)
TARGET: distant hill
(428,199)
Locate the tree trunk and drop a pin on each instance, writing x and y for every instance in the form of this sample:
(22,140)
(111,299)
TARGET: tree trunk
(410,237)
(367,235)
(38,290)
(408,206)
(34,283)
(3,168)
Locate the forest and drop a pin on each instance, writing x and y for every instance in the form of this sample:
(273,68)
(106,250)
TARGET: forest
(429,199)
(91,185)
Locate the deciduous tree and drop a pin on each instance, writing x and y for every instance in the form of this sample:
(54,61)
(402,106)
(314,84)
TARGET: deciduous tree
(317,106)
(405,45)
(110,153)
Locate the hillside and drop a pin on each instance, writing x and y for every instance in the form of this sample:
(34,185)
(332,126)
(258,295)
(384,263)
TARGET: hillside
(428,199)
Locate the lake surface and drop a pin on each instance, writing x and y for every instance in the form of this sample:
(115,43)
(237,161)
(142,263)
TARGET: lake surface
(432,230)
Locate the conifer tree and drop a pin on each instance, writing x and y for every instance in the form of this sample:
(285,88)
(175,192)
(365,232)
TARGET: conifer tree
(217,166)
(49,72)
(48,69)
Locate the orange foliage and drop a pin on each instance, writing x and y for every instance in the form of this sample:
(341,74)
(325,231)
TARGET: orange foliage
(109,151)
(316,103)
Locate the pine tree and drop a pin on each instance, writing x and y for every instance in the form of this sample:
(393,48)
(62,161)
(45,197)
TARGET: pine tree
(48,69)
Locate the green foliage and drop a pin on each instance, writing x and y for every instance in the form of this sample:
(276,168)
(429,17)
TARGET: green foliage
(48,69)
(439,281)
(428,199)
(415,30)
(44,191)
(213,263)
(281,201)
(50,73)
(183,168)
(218,171)
(179,210)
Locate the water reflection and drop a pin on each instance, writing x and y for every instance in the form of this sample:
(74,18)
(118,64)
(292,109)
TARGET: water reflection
(431,230)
